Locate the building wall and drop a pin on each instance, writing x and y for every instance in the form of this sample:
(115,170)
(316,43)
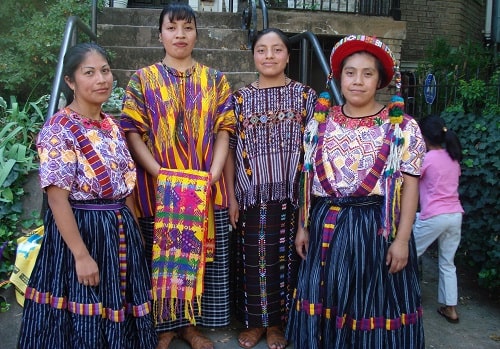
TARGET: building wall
(455,20)
(331,27)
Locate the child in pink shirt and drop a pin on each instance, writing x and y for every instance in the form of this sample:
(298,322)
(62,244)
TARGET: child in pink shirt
(440,214)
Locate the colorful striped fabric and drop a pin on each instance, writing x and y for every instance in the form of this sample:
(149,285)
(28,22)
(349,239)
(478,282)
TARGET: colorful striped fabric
(180,241)
(178,116)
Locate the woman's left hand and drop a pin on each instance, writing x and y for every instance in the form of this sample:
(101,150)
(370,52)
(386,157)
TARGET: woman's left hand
(397,255)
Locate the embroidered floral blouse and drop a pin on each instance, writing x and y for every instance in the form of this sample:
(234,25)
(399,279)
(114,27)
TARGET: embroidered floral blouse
(63,164)
(350,147)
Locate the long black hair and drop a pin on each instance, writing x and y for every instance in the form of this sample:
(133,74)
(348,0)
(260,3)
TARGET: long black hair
(436,134)
(72,60)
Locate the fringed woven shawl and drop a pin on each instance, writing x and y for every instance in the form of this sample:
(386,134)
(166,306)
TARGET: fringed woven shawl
(179,243)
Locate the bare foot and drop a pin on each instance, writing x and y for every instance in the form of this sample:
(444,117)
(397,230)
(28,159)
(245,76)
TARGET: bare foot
(164,339)
(275,338)
(250,337)
(195,338)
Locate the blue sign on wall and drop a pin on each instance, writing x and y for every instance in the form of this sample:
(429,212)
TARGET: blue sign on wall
(430,88)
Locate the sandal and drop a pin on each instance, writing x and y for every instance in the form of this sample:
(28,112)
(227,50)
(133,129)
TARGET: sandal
(164,339)
(195,338)
(442,311)
(250,337)
(275,338)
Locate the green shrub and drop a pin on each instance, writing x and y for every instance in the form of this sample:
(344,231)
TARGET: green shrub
(479,191)
(18,127)
(471,108)
(30,37)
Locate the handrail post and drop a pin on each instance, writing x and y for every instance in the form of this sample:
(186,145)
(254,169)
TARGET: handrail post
(93,20)
(313,40)
(69,39)
(304,48)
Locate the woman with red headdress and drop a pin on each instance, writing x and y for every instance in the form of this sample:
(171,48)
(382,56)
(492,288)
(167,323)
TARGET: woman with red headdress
(358,284)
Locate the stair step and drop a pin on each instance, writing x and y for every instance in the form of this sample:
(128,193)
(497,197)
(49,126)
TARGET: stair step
(137,57)
(146,36)
(150,17)
(131,37)
(236,79)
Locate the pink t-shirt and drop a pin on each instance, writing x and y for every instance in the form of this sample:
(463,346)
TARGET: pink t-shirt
(439,177)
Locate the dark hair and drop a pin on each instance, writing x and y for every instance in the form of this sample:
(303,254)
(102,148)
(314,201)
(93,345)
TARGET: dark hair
(436,134)
(72,60)
(178,11)
(278,32)
(378,64)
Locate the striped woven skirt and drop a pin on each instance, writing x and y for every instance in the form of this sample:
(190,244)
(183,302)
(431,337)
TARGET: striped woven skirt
(215,302)
(267,264)
(59,312)
(346,298)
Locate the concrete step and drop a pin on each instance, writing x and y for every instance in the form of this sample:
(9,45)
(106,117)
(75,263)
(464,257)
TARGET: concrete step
(225,60)
(147,36)
(131,36)
(236,79)
(151,17)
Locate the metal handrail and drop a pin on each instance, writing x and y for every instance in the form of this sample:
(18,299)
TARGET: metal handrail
(249,19)
(305,39)
(93,18)
(69,39)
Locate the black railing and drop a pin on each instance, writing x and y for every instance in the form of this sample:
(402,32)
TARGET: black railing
(447,97)
(362,7)
(306,39)
(249,22)
(249,19)
(70,39)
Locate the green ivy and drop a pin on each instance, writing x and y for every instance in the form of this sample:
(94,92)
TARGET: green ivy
(471,73)
(479,191)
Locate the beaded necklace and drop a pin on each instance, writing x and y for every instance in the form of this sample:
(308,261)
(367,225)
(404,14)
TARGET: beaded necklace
(178,73)
(102,124)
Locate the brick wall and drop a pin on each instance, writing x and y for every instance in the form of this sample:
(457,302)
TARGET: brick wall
(455,20)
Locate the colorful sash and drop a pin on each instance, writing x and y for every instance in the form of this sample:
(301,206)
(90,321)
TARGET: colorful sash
(179,243)
(91,155)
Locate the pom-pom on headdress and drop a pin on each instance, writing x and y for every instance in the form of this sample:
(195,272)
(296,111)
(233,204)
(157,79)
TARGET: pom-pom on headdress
(393,178)
(310,142)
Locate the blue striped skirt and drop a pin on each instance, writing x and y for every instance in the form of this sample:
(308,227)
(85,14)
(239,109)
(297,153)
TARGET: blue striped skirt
(346,297)
(59,312)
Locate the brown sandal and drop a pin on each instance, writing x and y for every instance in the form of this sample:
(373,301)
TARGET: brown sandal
(195,338)
(275,338)
(250,337)
(164,339)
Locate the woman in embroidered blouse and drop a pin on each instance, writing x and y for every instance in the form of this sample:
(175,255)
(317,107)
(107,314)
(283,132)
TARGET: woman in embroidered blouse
(271,115)
(358,285)
(82,293)
(178,114)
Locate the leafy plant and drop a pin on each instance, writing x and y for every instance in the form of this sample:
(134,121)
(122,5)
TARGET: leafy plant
(18,127)
(114,103)
(479,191)
(471,110)
(30,37)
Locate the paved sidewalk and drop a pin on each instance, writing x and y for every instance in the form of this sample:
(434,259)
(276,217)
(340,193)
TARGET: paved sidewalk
(479,326)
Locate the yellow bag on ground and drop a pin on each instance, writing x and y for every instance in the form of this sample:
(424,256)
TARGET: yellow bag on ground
(26,254)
